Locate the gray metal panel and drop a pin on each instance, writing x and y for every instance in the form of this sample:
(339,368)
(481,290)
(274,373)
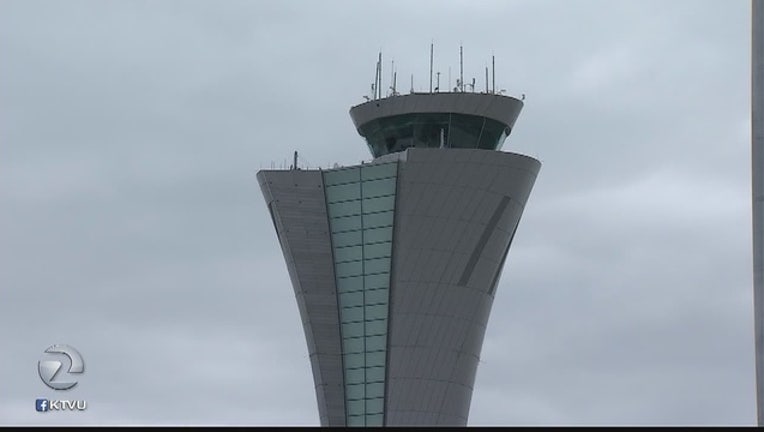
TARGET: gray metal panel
(297,204)
(757,158)
(447,199)
(501,108)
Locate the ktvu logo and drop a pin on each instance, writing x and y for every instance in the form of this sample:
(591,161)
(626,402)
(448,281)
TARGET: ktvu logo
(49,369)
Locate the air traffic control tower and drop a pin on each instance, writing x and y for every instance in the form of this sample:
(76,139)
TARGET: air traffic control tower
(395,262)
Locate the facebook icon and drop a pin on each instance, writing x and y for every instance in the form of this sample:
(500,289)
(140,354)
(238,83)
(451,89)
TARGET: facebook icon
(42,405)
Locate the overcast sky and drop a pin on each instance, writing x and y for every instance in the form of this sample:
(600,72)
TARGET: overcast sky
(132,226)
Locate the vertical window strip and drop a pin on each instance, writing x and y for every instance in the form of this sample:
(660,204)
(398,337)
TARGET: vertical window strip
(356,414)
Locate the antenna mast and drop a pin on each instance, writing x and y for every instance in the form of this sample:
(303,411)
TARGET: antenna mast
(430,68)
(493,73)
(461,69)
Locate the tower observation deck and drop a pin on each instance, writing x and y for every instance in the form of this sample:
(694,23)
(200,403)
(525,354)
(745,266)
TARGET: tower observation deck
(395,263)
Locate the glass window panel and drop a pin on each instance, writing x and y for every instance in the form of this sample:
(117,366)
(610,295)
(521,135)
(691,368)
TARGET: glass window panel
(349,284)
(352,253)
(378,265)
(346,208)
(374,205)
(345,192)
(351,299)
(374,420)
(381,280)
(376,296)
(375,374)
(352,329)
(353,345)
(464,131)
(376,312)
(375,390)
(377,250)
(354,361)
(375,406)
(345,269)
(355,407)
(355,376)
(375,220)
(376,343)
(357,420)
(377,171)
(348,223)
(341,176)
(376,327)
(346,239)
(378,188)
(375,359)
(354,391)
(376,235)
(352,314)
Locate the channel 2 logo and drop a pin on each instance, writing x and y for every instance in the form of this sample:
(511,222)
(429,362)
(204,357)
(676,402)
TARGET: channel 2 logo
(49,374)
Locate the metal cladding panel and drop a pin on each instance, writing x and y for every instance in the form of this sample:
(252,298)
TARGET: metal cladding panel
(757,158)
(296,201)
(501,108)
(455,215)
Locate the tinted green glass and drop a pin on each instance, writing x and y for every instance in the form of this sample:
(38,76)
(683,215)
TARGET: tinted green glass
(377,296)
(376,327)
(376,312)
(355,376)
(349,299)
(377,171)
(357,420)
(377,250)
(354,361)
(361,204)
(376,343)
(352,253)
(352,268)
(342,176)
(377,265)
(374,419)
(375,374)
(346,239)
(375,390)
(374,406)
(432,130)
(355,391)
(353,345)
(345,208)
(350,284)
(377,235)
(351,314)
(345,192)
(355,406)
(375,281)
(348,223)
(378,219)
(374,205)
(377,188)
(355,329)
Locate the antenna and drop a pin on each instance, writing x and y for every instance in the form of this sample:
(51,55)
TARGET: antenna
(437,85)
(412,83)
(379,87)
(395,79)
(449,78)
(473,85)
(374,86)
(486,79)
(461,69)
(431,49)
(392,76)
(493,72)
